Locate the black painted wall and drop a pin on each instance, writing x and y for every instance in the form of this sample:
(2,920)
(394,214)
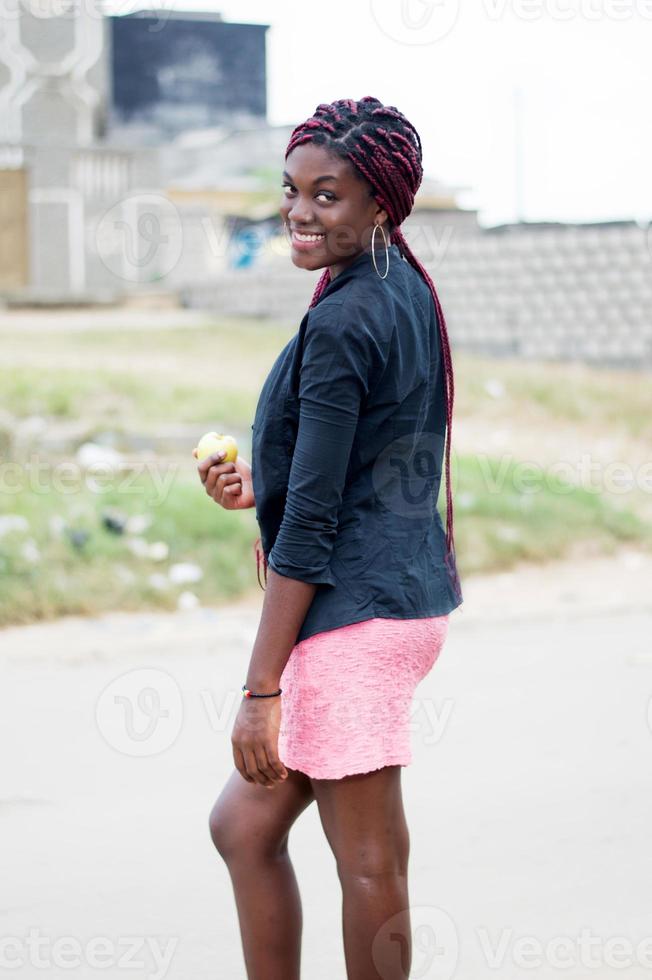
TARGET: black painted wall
(177,73)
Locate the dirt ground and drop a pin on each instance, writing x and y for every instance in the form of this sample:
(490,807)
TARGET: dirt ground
(528,799)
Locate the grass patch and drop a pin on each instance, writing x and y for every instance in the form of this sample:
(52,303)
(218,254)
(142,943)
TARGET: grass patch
(145,376)
(502,517)
(113,398)
(209,376)
(497,524)
(216,371)
(555,392)
(103,574)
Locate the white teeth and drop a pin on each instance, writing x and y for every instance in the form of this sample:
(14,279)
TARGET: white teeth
(307,238)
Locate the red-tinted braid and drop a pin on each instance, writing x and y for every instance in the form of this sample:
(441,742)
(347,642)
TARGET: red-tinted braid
(399,240)
(385,148)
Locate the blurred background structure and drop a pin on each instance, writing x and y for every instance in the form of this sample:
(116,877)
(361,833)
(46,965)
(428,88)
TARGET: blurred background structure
(94,110)
(135,156)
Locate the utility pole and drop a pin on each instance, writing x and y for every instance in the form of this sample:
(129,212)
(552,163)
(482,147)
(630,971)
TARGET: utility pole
(518,107)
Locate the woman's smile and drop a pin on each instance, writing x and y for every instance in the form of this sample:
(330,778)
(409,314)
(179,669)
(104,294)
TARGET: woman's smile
(304,241)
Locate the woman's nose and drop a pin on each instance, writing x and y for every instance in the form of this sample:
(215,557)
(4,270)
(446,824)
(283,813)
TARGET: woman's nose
(300,212)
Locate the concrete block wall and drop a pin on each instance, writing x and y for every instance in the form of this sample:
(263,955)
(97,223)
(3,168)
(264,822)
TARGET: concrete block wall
(578,292)
(540,291)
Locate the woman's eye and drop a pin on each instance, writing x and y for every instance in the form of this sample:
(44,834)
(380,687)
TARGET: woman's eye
(329,197)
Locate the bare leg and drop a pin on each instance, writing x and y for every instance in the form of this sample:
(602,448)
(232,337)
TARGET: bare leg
(249,826)
(364,822)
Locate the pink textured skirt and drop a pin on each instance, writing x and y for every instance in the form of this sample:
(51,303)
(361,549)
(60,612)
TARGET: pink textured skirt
(347,695)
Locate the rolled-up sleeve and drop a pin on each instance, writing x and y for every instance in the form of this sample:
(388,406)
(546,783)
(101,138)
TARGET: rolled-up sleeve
(335,376)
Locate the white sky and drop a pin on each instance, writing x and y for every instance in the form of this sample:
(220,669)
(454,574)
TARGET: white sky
(583,67)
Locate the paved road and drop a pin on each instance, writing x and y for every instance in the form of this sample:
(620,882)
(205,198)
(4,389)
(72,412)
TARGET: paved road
(528,800)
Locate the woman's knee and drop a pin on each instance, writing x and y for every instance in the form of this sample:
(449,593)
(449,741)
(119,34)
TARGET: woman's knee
(368,861)
(375,852)
(249,822)
(232,833)
(222,830)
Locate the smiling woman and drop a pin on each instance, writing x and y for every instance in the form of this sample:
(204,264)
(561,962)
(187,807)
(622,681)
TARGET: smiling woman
(349,438)
(329,192)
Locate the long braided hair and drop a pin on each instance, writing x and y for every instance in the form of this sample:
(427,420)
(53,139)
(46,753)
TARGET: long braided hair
(385,148)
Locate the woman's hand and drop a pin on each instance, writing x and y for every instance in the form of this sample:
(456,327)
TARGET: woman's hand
(255,741)
(229,484)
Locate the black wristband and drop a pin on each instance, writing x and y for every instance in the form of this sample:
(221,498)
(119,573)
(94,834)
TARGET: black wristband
(246,693)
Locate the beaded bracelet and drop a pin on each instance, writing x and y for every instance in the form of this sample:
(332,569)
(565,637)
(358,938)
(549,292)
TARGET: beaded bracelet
(246,693)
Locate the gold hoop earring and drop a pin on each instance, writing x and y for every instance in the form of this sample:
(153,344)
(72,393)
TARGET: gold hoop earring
(373,251)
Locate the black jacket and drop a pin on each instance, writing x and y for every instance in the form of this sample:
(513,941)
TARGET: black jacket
(347,449)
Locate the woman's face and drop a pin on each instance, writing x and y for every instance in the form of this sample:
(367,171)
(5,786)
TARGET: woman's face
(325,197)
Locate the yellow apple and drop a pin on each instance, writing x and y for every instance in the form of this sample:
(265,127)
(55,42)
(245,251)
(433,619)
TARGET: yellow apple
(215,442)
